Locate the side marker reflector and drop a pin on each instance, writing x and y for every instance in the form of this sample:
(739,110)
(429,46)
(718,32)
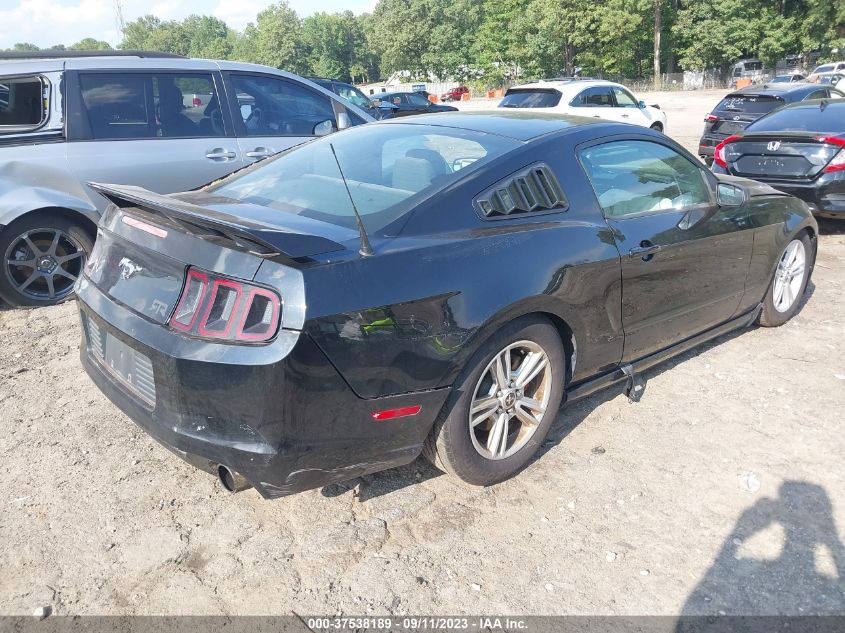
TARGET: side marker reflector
(390,414)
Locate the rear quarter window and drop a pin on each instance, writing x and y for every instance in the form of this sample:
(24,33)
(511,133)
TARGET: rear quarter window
(23,103)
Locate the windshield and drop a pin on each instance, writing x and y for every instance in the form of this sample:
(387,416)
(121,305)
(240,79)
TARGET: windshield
(752,104)
(824,69)
(389,168)
(531,98)
(827,120)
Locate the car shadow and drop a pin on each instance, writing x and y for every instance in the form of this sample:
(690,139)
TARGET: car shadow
(805,575)
(568,418)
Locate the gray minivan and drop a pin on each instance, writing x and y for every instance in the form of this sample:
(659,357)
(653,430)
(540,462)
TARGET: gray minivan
(159,121)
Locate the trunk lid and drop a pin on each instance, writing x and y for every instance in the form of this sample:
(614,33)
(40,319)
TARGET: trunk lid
(146,242)
(779,156)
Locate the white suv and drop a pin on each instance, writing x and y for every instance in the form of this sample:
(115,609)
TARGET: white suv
(586,97)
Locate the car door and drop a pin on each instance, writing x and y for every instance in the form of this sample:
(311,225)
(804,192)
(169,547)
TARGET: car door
(162,130)
(274,113)
(684,258)
(628,108)
(596,102)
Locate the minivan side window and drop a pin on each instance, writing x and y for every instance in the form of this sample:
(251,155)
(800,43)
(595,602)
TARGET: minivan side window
(23,104)
(269,106)
(633,177)
(150,105)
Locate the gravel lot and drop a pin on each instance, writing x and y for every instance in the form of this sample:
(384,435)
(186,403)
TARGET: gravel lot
(722,490)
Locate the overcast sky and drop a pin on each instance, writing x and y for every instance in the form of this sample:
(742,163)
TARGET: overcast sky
(48,22)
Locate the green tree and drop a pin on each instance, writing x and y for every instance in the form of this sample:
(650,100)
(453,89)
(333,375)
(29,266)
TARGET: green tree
(274,39)
(207,36)
(332,42)
(90,44)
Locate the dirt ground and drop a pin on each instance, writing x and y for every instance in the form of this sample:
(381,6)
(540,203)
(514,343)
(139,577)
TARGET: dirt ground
(723,490)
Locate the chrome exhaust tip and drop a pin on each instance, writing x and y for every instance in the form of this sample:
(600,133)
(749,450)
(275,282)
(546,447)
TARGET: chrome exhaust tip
(230,480)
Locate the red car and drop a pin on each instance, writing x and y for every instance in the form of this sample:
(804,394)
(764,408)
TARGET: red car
(455,94)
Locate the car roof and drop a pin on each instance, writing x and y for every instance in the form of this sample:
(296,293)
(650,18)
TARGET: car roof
(815,104)
(522,125)
(795,89)
(566,86)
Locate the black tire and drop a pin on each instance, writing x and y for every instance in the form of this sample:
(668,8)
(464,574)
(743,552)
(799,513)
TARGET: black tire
(657,127)
(772,315)
(450,445)
(41,227)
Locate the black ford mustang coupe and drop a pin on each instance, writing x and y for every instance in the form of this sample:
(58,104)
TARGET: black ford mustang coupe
(502,263)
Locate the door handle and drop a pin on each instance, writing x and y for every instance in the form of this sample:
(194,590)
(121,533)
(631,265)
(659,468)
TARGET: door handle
(260,152)
(625,116)
(646,250)
(220,154)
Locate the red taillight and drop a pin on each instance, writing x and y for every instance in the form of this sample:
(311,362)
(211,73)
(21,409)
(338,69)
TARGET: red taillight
(711,118)
(719,152)
(197,102)
(837,163)
(402,412)
(193,294)
(215,307)
(221,309)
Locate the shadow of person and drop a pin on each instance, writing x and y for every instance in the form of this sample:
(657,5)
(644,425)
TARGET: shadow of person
(807,576)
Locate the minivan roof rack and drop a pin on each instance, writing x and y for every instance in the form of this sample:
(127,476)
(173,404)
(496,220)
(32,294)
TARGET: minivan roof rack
(56,54)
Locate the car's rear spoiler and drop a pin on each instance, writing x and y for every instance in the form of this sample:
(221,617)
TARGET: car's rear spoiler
(269,239)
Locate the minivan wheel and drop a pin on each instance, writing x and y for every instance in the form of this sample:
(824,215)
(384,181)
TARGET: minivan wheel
(43,254)
(502,406)
(789,282)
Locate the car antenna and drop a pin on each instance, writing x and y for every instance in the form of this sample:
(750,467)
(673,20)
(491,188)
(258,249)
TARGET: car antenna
(366,250)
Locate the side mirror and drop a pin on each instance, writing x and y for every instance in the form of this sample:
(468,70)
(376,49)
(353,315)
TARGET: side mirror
(641,105)
(730,195)
(343,121)
(323,128)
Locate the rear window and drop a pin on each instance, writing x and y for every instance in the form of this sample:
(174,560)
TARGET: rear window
(752,104)
(827,120)
(23,104)
(824,69)
(530,98)
(388,169)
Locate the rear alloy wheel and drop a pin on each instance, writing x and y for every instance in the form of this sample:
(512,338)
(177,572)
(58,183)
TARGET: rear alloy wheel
(789,282)
(657,127)
(503,405)
(43,255)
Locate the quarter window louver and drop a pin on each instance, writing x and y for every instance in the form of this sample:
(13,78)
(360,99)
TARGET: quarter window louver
(532,190)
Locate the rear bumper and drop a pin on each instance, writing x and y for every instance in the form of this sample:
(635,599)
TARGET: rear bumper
(280,415)
(825,195)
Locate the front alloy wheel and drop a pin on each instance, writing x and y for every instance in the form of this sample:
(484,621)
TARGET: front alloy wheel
(783,297)
(789,276)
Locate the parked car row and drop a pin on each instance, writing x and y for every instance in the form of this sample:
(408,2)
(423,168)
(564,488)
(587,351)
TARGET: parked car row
(791,136)
(262,324)
(68,120)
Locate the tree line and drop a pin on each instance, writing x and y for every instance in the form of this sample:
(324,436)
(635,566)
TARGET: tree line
(490,41)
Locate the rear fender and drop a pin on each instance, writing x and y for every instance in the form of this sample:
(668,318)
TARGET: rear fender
(22,190)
